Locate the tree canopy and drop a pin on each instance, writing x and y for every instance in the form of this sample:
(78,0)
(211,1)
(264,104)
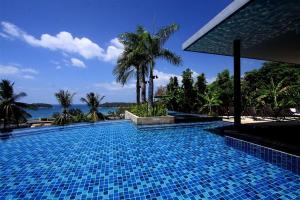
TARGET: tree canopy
(275,85)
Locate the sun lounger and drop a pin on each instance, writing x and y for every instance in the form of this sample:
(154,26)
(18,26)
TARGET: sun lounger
(295,112)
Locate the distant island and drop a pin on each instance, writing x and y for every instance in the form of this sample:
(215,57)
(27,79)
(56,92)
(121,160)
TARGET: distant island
(106,104)
(116,104)
(41,105)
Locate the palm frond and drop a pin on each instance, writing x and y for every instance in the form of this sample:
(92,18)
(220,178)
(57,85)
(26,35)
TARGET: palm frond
(6,89)
(64,97)
(18,96)
(164,33)
(170,56)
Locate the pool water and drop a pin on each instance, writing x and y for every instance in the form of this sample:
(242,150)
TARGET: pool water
(119,161)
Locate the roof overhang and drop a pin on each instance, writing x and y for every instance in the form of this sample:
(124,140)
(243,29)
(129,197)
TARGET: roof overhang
(268,30)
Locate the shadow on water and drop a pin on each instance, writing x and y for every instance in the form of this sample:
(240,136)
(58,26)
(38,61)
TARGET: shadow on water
(5,134)
(282,136)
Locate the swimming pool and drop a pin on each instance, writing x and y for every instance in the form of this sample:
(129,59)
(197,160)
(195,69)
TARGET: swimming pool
(119,161)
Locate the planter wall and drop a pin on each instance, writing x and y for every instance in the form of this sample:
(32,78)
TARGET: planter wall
(149,120)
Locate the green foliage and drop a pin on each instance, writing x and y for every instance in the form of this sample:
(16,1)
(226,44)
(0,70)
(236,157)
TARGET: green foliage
(224,86)
(275,85)
(141,50)
(119,112)
(63,118)
(154,48)
(188,97)
(211,99)
(188,90)
(277,94)
(200,88)
(200,85)
(133,60)
(174,93)
(93,101)
(77,115)
(64,98)
(12,111)
(67,116)
(143,110)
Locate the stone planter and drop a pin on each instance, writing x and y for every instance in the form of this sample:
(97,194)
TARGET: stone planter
(149,120)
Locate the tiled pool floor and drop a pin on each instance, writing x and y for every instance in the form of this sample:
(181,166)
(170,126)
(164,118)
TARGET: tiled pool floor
(115,161)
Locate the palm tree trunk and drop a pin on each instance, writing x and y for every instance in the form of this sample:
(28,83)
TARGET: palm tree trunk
(151,86)
(4,123)
(6,120)
(143,85)
(138,89)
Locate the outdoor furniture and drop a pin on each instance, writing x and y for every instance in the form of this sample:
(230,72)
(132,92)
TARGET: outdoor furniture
(295,112)
(250,111)
(266,111)
(283,113)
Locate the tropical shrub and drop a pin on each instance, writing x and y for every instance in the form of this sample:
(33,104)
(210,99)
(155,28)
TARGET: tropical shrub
(143,110)
(211,100)
(77,115)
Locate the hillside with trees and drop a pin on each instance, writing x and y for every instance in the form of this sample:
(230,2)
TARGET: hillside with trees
(266,91)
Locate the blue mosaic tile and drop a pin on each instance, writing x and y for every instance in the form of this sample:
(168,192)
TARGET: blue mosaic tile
(120,161)
(281,159)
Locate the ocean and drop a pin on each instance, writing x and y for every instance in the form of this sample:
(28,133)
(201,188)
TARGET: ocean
(48,112)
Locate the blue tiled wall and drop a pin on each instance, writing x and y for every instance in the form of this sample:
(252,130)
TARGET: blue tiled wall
(281,159)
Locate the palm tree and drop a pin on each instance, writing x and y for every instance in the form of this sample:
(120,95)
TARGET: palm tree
(132,61)
(274,91)
(64,97)
(93,101)
(12,111)
(143,75)
(211,99)
(154,49)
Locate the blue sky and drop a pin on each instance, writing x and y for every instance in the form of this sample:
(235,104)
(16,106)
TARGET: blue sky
(50,45)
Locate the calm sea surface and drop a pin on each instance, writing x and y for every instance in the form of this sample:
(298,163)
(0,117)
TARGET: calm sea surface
(48,112)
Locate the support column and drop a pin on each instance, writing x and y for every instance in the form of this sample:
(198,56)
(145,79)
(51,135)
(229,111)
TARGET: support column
(237,82)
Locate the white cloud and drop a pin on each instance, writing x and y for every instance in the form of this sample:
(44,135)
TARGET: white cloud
(28,77)
(11,29)
(8,70)
(17,71)
(194,75)
(114,86)
(77,63)
(164,78)
(66,42)
(4,35)
(29,70)
(114,50)
(211,79)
